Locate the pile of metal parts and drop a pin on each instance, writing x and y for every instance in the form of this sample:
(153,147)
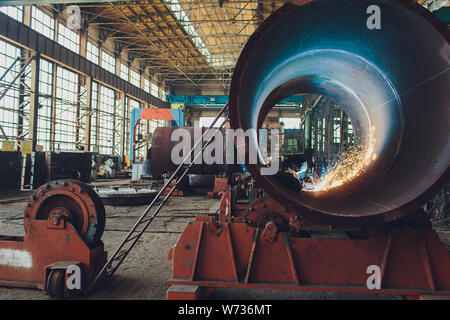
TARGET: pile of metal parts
(105,166)
(126,195)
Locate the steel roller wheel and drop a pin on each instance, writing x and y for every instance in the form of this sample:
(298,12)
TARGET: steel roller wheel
(56,284)
(74,200)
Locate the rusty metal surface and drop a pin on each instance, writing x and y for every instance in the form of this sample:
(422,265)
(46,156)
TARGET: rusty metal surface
(220,186)
(265,246)
(82,205)
(44,246)
(241,256)
(63,221)
(162,147)
(386,83)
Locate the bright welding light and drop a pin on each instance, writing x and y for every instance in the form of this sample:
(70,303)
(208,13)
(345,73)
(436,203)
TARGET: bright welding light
(349,165)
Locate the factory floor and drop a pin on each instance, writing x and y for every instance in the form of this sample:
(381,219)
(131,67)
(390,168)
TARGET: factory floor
(145,272)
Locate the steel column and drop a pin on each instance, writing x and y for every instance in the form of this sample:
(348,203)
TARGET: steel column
(34,100)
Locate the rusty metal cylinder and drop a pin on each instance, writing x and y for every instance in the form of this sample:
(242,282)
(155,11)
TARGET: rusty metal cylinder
(162,147)
(392,82)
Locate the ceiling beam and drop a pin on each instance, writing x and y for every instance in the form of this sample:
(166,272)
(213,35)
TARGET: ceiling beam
(152,43)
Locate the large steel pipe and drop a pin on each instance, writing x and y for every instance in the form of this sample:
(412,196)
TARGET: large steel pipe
(393,83)
(163,146)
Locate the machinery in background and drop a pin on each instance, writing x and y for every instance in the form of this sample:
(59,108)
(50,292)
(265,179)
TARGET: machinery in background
(161,151)
(293,143)
(64,221)
(126,195)
(144,140)
(10,171)
(107,166)
(42,167)
(162,146)
(108,170)
(220,185)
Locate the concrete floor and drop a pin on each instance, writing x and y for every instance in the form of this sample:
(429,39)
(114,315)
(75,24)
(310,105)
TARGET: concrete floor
(145,272)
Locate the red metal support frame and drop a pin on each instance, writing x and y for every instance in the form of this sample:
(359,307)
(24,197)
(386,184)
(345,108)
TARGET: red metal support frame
(220,185)
(252,255)
(291,259)
(229,252)
(44,246)
(337,265)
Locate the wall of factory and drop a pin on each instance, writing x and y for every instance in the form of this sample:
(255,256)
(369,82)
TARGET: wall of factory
(74,112)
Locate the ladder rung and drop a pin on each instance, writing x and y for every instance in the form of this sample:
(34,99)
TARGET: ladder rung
(119,255)
(133,237)
(145,220)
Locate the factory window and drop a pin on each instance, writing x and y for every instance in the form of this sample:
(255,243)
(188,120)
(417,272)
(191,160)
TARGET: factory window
(163,95)
(323,134)
(92,52)
(9,104)
(15,12)
(206,121)
(117,122)
(140,129)
(42,23)
(140,133)
(68,38)
(108,62)
(135,78)
(319,135)
(107,120)
(155,124)
(66,106)
(154,90)
(126,122)
(350,133)
(152,125)
(124,72)
(45,104)
(291,123)
(337,130)
(147,85)
(94,115)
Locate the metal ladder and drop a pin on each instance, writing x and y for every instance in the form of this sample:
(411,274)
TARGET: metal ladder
(143,222)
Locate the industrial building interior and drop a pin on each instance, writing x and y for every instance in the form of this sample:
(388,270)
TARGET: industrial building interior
(355,112)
